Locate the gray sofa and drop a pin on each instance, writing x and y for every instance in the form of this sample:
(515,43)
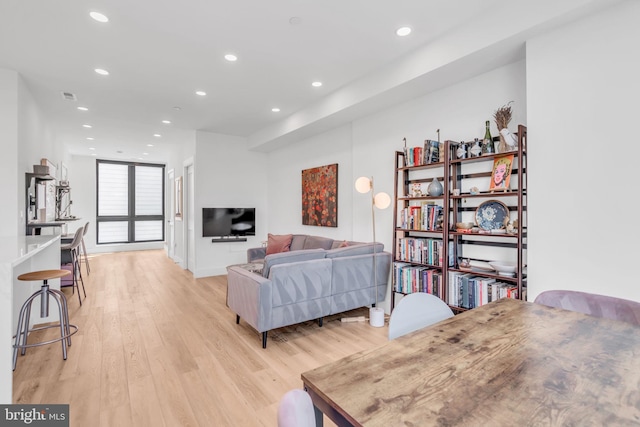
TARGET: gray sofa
(316,278)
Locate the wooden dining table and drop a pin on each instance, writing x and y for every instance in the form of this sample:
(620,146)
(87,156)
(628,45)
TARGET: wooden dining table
(508,363)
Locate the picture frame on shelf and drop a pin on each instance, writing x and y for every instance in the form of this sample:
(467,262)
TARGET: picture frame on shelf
(501,173)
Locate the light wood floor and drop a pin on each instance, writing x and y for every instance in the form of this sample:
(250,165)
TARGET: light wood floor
(156,347)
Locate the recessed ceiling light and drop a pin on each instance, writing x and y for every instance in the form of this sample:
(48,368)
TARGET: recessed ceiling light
(177,108)
(93,154)
(145,154)
(230,57)
(157,135)
(86,126)
(91,148)
(83,109)
(316,84)
(201,93)
(166,122)
(99,17)
(101,71)
(90,138)
(403,31)
(295,20)
(275,110)
(149,145)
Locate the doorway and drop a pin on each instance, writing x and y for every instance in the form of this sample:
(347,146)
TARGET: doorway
(171,225)
(190,219)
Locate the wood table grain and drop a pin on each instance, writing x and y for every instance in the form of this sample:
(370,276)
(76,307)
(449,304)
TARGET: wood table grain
(508,363)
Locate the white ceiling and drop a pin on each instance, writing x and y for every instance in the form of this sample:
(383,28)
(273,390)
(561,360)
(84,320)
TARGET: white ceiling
(160,52)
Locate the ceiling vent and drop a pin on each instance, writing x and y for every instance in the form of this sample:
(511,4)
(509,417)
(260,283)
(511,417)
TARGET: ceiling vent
(69,96)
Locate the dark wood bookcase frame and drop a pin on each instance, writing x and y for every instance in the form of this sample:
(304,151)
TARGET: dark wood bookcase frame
(451,172)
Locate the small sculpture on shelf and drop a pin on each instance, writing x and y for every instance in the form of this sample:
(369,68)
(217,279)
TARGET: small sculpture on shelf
(416,190)
(476,150)
(511,227)
(461,152)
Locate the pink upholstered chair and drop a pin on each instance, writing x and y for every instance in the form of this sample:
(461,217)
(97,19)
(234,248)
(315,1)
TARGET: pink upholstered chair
(592,304)
(296,410)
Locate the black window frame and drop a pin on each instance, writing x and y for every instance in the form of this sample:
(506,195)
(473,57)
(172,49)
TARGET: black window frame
(131,218)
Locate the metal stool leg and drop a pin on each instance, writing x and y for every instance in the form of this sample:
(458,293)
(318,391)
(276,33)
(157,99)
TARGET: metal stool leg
(23,328)
(77,272)
(86,258)
(62,325)
(78,260)
(27,318)
(65,312)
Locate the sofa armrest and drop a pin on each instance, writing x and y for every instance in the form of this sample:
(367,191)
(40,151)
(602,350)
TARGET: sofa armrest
(249,296)
(256,254)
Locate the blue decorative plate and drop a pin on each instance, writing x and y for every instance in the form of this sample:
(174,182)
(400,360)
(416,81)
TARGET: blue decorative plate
(490,215)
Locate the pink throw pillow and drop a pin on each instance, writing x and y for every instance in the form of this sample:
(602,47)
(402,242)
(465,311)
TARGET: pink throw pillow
(278,243)
(343,244)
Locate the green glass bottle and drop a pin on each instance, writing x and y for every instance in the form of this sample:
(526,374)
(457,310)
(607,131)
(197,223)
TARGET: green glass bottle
(487,142)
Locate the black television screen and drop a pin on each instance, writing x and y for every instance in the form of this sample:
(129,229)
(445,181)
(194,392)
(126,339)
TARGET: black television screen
(222,222)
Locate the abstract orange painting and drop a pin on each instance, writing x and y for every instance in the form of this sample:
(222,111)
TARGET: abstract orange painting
(320,196)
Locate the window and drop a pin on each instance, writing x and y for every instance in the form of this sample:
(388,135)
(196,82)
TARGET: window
(130,202)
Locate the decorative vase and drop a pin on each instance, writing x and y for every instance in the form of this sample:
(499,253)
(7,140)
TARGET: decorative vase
(508,141)
(435,188)
(476,150)
(461,152)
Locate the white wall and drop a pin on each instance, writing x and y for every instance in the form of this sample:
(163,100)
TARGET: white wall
(285,183)
(36,141)
(227,175)
(582,94)
(11,172)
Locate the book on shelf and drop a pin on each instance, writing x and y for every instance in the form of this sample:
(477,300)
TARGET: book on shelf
(410,278)
(467,290)
(421,250)
(414,156)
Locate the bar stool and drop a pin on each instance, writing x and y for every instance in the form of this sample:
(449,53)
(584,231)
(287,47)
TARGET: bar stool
(70,254)
(25,313)
(84,249)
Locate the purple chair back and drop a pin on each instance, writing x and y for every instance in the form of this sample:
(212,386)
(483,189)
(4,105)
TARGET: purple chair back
(295,409)
(592,304)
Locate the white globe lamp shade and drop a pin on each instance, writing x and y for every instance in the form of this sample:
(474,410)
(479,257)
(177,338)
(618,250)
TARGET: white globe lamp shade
(363,184)
(382,200)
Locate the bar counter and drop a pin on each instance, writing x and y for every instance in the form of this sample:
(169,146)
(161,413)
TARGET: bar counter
(21,254)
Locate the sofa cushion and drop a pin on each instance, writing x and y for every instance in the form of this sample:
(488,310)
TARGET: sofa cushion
(292,256)
(278,243)
(357,249)
(297,242)
(314,242)
(344,243)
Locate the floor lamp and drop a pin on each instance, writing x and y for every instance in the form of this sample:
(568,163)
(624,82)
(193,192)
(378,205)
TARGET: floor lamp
(380,201)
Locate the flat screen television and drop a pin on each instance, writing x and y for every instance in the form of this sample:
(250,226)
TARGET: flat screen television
(224,222)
